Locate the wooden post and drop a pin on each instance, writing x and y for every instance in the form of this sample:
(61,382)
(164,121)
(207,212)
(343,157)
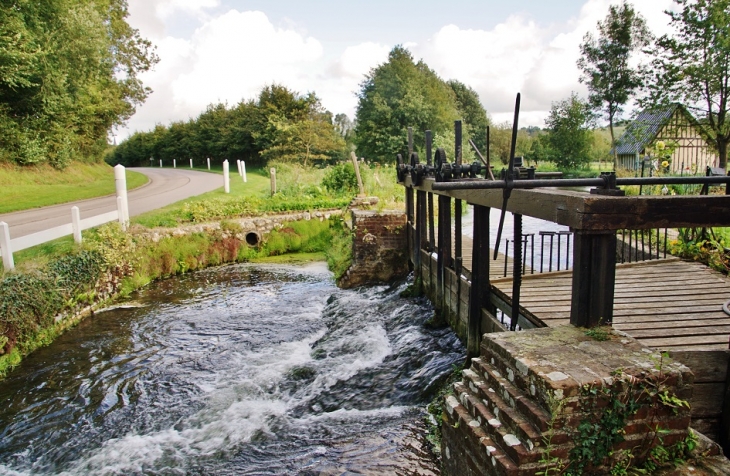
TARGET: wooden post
(226,178)
(160,163)
(420,237)
(191,163)
(243,169)
(5,249)
(444,247)
(208,163)
(480,287)
(174,163)
(272,171)
(516,270)
(431,231)
(594,276)
(76,224)
(356,164)
(457,203)
(410,206)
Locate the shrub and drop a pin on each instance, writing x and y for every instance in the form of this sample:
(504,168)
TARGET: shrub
(341,179)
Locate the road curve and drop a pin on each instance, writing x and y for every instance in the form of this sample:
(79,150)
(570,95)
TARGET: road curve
(166,186)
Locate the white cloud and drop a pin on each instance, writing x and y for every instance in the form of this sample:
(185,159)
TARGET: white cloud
(236,54)
(520,55)
(232,55)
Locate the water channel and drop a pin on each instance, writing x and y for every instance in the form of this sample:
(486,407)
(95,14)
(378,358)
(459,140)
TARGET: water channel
(243,369)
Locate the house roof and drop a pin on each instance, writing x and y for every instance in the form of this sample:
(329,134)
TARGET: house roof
(644,129)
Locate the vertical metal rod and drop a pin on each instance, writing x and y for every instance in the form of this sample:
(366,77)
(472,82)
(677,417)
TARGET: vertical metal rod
(532,246)
(506,249)
(542,250)
(651,253)
(516,271)
(567,251)
(623,243)
(643,247)
(550,268)
(558,251)
(524,253)
(665,242)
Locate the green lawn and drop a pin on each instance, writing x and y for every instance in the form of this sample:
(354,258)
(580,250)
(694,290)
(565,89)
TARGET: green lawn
(22,188)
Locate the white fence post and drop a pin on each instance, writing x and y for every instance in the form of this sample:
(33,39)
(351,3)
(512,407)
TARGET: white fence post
(243,169)
(76,223)
(272,171)
(191,163)
(120,212)
(208,163)
(120,180)
(226,179)
(174,163)
(160,163)
(5,249)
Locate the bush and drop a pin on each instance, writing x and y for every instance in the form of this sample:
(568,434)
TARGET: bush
(341,179)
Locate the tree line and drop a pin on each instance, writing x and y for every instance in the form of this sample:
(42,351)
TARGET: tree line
(280,125)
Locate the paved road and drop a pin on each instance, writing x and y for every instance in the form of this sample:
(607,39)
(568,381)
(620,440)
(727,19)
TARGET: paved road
(166,186)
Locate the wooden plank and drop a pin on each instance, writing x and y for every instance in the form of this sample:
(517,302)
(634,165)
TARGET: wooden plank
(707,398)
(678,332)
(707,366)
(632,325)
(710,427)
(681,341)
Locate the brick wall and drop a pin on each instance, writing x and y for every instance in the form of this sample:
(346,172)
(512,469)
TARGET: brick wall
(379,248)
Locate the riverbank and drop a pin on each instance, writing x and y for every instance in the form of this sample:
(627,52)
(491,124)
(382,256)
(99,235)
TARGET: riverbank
(42,302)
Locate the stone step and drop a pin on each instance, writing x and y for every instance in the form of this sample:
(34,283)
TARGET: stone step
(543,385)
(521,451)
(509,416)
(477,454)
(511,396)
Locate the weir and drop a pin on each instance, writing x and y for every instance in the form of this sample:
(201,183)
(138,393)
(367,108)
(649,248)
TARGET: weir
(525,396)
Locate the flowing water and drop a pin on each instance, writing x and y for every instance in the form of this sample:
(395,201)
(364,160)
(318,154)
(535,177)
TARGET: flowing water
(245,369)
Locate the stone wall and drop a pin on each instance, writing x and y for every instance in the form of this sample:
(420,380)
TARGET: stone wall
(379,248)
(249,225)
(532,397)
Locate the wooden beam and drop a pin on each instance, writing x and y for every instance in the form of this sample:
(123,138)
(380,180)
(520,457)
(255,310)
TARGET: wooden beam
(582,211)
(480,287)
(594,276)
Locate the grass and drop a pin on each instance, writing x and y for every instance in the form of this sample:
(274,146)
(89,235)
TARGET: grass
(38,186)
(257,186)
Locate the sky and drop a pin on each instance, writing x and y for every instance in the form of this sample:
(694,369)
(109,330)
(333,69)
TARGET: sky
(225,51)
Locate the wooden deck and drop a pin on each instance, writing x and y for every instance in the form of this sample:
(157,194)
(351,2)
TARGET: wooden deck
(666,304)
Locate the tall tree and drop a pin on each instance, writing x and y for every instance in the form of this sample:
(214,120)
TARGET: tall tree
(472,112)
(396,95)
(69,73)
(692,66)
(569,137)
(605,62)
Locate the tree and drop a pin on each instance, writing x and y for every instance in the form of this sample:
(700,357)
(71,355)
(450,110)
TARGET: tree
(605,62)
(472,113)
(692,66)
(69,73)
(500,138)
(396,95)
(569,137)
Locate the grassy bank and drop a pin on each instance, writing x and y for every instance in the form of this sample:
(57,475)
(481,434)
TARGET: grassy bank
(122,262)
(38,186)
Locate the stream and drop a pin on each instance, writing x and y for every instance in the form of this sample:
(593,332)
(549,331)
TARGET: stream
(243,369)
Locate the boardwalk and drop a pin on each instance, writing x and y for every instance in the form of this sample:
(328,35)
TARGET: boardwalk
(666,304)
